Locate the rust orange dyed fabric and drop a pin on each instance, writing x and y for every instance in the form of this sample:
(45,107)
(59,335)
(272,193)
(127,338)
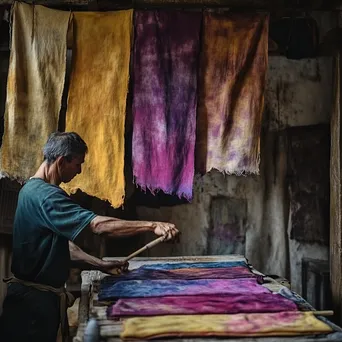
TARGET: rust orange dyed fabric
(232,80)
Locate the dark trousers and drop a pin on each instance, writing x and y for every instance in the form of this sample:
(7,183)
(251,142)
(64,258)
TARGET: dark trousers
(29,315)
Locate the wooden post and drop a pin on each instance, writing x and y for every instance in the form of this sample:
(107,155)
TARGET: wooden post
(335,196)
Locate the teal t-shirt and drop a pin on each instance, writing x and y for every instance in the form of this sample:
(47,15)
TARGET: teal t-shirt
(45,220)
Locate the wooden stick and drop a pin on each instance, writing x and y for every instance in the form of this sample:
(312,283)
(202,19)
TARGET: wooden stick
(323,313)
(148,246)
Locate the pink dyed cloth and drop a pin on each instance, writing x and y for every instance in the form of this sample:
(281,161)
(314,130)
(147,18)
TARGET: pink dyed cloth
(210,304)
(165,99)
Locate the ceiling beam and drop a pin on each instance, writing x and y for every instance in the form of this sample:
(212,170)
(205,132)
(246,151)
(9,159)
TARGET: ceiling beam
(234,4)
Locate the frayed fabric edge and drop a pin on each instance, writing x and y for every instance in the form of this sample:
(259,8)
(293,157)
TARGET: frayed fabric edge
(20,180)
(73,190)
(154,190)
(251,171)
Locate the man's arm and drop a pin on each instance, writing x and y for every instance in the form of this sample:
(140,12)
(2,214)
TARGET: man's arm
(86,261)
(112,227)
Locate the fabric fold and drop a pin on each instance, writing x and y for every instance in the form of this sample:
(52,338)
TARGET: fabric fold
(34,87)
(233,68)
(97,100)
(166,52)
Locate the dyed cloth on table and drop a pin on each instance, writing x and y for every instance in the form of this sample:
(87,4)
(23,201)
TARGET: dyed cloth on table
(179,265)
(210,304)
(183,273)
(164,100)
(160,288)
(233,72)
(97,100)
(254,324)
(34,87)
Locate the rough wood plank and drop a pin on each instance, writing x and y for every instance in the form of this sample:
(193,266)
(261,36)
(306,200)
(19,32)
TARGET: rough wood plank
(251,4)
(335,198)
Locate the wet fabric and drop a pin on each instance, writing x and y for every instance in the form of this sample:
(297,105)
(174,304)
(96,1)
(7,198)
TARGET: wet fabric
(183,273)
(253,324)
(179,265)
(166,53)
(160,288)
(34,87)
(210,304)
(97,100)
(233,67)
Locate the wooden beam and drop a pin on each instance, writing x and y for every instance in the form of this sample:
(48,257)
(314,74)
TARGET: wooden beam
(336,195)
(238,4)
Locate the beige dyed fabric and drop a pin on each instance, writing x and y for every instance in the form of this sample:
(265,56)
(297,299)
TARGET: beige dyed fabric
(97,100)
(34,86)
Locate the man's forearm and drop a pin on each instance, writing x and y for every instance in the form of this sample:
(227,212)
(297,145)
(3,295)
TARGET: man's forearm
(81,258)
(112,227)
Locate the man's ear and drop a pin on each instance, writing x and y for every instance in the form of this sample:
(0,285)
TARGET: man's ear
(60,161)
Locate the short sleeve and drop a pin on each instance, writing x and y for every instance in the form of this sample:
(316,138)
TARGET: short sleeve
(63,216)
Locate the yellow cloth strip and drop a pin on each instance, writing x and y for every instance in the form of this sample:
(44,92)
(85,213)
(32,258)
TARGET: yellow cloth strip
(97,100)
(34,86)
(265,324)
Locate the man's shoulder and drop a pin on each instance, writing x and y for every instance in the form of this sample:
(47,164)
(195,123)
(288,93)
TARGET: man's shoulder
(37,188)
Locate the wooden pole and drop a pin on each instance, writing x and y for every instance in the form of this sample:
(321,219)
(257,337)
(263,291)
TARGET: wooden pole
(336,196)
(147,246)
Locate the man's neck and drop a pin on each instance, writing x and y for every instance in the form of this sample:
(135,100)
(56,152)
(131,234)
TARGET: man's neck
(48,173)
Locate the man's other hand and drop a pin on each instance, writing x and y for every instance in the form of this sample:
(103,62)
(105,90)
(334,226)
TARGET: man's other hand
(113,267)
(164,228)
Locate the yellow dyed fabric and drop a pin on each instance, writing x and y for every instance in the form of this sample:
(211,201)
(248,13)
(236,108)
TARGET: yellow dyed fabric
(34,86)
(266,324)
(97,100)
(233,68)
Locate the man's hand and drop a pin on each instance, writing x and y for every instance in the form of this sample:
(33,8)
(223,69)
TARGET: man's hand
(113,267)
(164,228)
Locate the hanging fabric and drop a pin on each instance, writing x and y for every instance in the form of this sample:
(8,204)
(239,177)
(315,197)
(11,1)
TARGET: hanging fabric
(166,53)
(34,86)
(97,100)
(233,72)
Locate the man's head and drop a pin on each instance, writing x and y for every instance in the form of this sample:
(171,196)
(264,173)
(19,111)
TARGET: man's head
(67,151)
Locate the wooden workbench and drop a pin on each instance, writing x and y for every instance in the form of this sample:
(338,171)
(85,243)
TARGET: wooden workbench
(110,330)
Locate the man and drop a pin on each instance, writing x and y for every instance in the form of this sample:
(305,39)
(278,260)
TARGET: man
(46,223)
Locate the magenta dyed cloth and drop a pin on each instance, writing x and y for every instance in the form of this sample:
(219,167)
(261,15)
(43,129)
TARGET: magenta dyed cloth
(161,288)
(184,274)
(210,304)
(164,100)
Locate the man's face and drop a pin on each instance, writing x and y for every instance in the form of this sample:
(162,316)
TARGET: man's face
(71,168)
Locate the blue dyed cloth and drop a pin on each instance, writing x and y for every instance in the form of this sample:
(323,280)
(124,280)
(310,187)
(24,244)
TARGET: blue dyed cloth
(160,288)
(222,264)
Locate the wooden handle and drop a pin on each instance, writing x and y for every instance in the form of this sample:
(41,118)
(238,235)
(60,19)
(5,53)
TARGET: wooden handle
(142,249)
(323,313)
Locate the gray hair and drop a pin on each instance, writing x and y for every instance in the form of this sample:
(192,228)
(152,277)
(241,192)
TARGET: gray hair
(64,144)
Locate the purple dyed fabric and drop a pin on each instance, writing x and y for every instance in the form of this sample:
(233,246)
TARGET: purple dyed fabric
(184,274)
(210,304)
(209,264)
(164,100)
(160,288)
